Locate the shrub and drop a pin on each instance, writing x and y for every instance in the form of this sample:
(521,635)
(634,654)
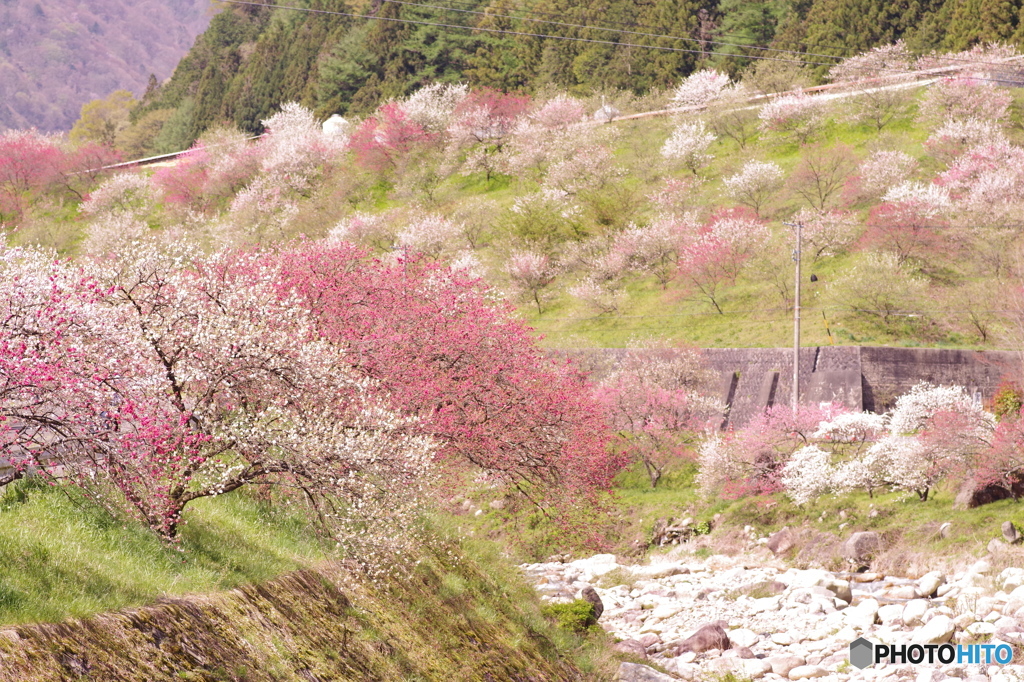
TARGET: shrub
(576,616)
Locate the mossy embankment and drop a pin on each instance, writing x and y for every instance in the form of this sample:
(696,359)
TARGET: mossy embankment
(314,624)
(252,594)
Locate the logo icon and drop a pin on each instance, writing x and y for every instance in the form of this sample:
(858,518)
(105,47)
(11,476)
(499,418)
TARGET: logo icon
(862,653)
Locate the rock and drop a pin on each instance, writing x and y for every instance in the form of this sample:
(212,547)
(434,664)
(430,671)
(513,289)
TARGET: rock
(806,672)
(666,610)
(839,588)
(1006,625)
(599,564)
(659,571)
(945,530)
(649,640)
(981,628)
(936,631)
(781,541)
(996,546)
(1011,534)
(964,619)
(981,567)
(890,614)
(634,672)
(905,592)
(862,546)
(707,637)
(742,637)
(756,668)
(741,652)
(913,612)
(497,504)
(863,615)
(782,665)
(589,594)
(631,646)
(929,583)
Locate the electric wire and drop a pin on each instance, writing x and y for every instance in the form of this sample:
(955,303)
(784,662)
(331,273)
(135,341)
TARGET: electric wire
(852,51)
(529,34)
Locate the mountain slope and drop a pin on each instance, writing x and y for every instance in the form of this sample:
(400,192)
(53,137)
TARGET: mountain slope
(58,55)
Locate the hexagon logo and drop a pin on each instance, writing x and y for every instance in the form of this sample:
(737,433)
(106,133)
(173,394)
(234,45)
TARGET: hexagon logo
(862,653)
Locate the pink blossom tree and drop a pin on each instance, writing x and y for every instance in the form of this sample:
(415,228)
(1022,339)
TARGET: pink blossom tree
(714,256)
(382,141)
(883,170)
(482,123)
(956,136)
(961,98)
(796,118)
(909,222)
(473,378)
(29,164)
(878,77)
(531,273)
(656,399)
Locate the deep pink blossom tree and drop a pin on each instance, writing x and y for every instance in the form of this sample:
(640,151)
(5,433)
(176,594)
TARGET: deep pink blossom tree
(470,375)
(656,399)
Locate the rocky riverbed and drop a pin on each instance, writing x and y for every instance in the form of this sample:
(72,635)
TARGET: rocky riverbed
(703,619)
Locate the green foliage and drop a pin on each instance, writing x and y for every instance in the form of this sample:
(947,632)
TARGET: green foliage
(102,119)
(1008,400)
(576,616)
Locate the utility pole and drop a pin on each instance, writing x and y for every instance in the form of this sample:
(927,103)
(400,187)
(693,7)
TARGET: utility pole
(799,228)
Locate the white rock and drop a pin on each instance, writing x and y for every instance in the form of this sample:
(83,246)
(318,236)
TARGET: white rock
(913,612)
(782,665)
(668,610)
(981,628)
(743,637)
(756,668)
(806,672)
(930,582)
(930,675)
(963,620)
(936,631)
(782,638)
(890,613)
(905,592)
(599,564)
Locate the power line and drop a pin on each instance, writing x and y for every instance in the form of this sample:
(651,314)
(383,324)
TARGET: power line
(615,30)
(528,10)
(527,34)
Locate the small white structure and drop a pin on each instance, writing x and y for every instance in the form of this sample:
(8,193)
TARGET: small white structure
(335,126)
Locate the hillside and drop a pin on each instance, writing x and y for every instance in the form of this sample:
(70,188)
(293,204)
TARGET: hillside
(674,226)
(348,59)
(56,56)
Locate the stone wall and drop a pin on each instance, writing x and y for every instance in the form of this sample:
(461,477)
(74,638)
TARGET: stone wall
(861,377)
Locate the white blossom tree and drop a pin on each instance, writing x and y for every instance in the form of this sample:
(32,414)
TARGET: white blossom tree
(688,144)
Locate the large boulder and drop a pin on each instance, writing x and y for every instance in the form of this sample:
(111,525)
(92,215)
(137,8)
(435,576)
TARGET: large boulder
(631,646)
(929,583)
(707,637)
(938,630)
(781,541)
(862,546)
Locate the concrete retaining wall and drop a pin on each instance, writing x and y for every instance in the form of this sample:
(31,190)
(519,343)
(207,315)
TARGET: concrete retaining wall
(861,377)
